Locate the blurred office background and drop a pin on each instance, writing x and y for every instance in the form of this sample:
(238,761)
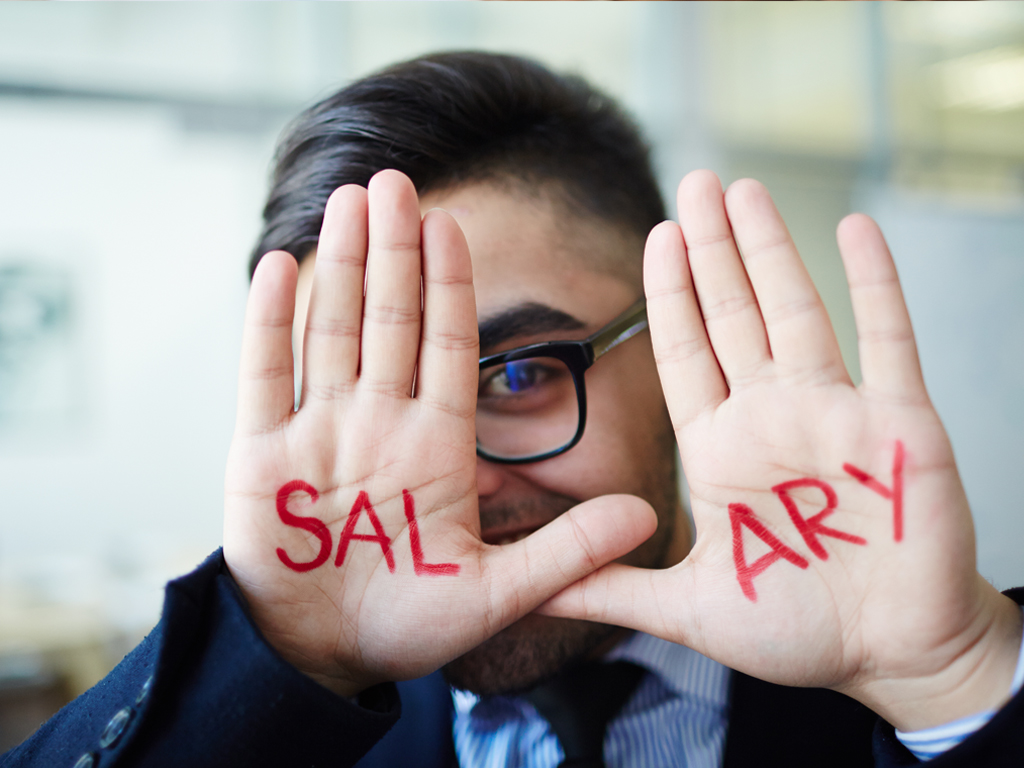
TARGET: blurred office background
(135,142)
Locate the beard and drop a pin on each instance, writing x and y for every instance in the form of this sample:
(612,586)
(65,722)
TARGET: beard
(533,649)
(536,647)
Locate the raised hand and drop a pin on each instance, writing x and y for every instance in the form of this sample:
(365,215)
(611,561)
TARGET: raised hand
(351,524)
(834,546)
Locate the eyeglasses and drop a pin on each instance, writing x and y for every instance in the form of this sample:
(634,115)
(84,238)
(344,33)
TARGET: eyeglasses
(532,400)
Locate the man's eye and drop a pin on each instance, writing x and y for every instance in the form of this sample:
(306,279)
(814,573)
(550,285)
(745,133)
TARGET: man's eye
(516,378)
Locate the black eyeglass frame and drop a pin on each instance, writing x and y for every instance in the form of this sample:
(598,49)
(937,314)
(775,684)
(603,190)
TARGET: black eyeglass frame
(578,357)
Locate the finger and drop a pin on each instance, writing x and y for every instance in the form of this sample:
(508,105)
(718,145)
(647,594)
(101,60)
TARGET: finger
(627,597)
(331,345)
(690,376)
(450,346)
(524,574)
(391,309)
(266,384)
(799,330)
(727,301)
(885,338)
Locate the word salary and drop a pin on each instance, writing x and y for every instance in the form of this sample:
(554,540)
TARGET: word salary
(810,528)
(348,535)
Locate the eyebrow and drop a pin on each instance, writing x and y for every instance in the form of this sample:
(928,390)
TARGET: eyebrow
(525,320)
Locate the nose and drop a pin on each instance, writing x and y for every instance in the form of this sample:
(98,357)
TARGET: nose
(489,477)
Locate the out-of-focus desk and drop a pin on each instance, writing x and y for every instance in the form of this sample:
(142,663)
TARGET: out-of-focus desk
(49,653)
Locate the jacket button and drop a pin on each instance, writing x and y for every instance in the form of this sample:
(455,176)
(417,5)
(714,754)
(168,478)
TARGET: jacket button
(145,690)
(88,760)
(115,727)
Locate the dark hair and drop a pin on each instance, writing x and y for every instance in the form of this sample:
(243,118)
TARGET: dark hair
(453,117)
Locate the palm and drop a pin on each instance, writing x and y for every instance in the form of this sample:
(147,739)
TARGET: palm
(351,524)
(354,450)
(772,433)
(832,611)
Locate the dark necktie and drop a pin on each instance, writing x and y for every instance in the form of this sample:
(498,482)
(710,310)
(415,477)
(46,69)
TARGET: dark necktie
(579,703)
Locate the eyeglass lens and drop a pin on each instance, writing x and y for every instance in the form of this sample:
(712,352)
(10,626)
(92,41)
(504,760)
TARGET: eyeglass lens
(526,407)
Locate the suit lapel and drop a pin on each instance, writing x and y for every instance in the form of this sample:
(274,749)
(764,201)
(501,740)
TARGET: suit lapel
(795,727)
(422,737)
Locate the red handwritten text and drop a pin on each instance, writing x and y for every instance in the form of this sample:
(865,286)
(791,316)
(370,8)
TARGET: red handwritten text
(811,528)
(895,493)
(420,567)
(363,502)
(311,524)
(741,515)
(379,537)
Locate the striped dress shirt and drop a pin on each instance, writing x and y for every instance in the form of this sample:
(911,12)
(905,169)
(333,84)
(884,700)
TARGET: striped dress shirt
(676,717)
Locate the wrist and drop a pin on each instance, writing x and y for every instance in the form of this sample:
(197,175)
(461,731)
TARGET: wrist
(334,677)
(976,680)
(326,673)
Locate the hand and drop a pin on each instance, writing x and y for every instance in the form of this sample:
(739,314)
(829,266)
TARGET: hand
(351,524)
(834,541)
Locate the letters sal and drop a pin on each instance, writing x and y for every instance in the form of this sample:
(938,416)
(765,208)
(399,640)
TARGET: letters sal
(379,537)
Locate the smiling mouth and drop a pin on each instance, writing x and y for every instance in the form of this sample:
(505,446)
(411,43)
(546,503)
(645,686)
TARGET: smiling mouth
(502,538)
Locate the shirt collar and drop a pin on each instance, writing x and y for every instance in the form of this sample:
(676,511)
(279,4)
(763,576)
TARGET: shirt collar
(681,670)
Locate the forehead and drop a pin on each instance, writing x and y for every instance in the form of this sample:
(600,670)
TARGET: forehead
(530,248)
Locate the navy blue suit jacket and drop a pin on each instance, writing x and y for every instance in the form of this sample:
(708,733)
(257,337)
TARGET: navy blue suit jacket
(219,696)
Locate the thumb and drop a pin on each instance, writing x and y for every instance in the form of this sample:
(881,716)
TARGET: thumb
(658,602)
(524,574)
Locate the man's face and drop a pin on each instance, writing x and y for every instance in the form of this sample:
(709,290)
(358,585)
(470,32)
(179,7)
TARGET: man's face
(527,250)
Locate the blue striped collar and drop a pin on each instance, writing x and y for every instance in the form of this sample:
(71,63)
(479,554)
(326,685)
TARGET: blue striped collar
(682,670)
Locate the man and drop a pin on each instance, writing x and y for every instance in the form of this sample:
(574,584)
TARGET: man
(423,507)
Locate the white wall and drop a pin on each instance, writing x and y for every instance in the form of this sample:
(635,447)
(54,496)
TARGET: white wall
(122,484)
